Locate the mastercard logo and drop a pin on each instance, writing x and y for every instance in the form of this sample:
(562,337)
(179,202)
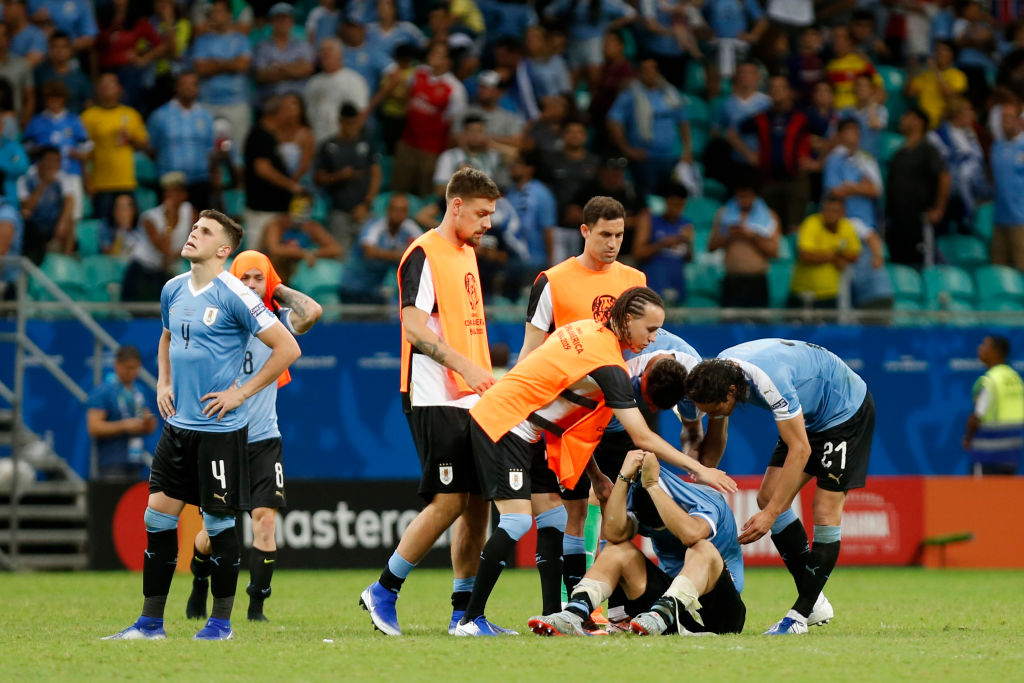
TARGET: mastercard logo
(129,530)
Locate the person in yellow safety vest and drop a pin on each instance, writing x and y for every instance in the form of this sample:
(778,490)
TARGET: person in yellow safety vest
(995,429)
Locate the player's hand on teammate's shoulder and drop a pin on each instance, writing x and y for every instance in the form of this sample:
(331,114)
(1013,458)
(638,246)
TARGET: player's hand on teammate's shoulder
(165,401)
(478,379)
(716,479)
(757,526)
(223,402)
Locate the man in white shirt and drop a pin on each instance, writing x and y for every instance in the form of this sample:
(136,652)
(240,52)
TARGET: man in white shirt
(329,89)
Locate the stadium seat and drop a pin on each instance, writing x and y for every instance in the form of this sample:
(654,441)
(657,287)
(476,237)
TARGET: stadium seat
(67,273)
(145,170)
(331,299)
(234,202)
(700,241)
(696,82)
(893,77)
(715,190)
(946,286)
(700,301)
(964,251)
(906,283)
(984,221)
(146,198)
(889,144)
(104,274)
(698,113)
(699,138)
(996,284)
(323,278)
(780,277)
(88,233)
(787,248)
(704,280)
(655,204)
(318,211)
(701,210)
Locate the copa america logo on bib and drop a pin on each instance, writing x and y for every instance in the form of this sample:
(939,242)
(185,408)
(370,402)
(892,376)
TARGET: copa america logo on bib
(210,315)
(446,474)
(515,479)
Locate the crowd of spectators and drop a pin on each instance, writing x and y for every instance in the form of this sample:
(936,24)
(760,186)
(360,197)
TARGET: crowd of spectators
(835,136)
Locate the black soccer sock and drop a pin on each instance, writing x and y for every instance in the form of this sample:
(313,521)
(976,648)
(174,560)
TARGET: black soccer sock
(224,575)
(200,565)
(820,563)
(261,571)
(791,542)
(158,570)
(549,565)
(492,561)
(460,600)
(573,606)
(574,566)
(390,581)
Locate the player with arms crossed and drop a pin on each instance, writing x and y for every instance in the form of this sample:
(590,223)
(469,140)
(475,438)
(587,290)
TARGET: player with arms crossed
(569,387)
(826,419)
(299,313)
(446,366)
(208,319)
(696,586)
(579,288)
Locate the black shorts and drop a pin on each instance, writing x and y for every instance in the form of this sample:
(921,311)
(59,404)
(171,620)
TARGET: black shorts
(504,467)
(441,435)
(542,478)
(839,455)
(208,469)
(609,456)
(266,474)
(721,609)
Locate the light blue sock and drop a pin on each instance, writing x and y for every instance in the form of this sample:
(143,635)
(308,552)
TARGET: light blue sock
(573,545)
(399,566)
(463,585)
(827,534)
(515,524)
(784,520)
(554,518)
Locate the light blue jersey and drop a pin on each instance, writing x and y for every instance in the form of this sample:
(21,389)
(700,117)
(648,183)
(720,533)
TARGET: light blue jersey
(210,329)
(788,378)
(262,406)
(698,501)
(665,343)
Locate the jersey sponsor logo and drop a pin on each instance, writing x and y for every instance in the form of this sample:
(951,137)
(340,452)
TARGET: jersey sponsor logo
(472,291)
(258,310)
(781,403)
(601,307)
(515,479)
(210,315)
(446,474)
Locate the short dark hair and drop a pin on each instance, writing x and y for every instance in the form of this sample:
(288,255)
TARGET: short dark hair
(470,183)
(832,196)
(746,177)
(948,43)
(600,207)
(46,149)
(59,35)
(470,119)
(127,352)
(347,110)
(671,188)
(846,122)
(666,379)
(1001,344)
(231,227)
(631,303)
(709,382)
(55,89)
(918,113)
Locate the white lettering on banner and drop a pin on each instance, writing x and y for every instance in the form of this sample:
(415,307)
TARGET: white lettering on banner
(315,362)
(966,365)
(344,527)
(744,506)
(906,364)
(33,361)
(381,360)
(874,524)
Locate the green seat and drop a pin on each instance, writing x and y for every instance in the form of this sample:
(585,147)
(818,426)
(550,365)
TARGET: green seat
(984,221)
(946,286)
(67,273)
(696,78)
(701,210)
(700,241)
(88,233)
(787,248)
(655,204)
(698,113)
(323,278)
(699,138)
(906,283)
(331,299)
(318,212)
(145,170)
(700,301)
(146,198)
(996,284)
(964,251)
(380,204)
(234,202)
(894,78)
(704,280)
(104,274)
(780,277)
(715,190)
(889,144)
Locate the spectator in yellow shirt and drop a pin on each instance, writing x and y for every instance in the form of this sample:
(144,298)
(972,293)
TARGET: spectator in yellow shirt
(936,85)
(826,245)
(842,71)
(116,131)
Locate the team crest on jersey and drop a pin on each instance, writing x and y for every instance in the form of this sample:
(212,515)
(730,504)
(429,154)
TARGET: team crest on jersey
(515,479)
(602,307)
(446,474)
(472,290)
(210,315)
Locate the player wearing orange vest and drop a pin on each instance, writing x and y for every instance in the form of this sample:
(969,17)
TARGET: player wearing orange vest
(578,288)
(446,366)
(569,387)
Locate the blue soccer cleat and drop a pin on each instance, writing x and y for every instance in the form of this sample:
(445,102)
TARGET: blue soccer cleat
(380,603)
(215,629)
(145,628)
(481,627)
(457,615)
(790,625)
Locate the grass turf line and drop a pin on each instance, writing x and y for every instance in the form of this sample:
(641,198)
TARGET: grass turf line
(890,624)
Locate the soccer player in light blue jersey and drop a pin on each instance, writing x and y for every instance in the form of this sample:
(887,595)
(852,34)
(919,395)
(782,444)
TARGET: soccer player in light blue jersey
(299,313)
(696,586)
(208,316)
(826,418)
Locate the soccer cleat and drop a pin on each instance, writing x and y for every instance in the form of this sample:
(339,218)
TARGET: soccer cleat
(481,627)
(457,615)
(598,617)
(144,628)
(256,615)
(563,623)
(822,612)
(790,625)
(648,624)
(380,603)
(196,606)
(215,629)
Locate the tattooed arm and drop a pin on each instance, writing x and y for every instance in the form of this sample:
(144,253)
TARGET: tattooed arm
(305,311)
(429,343)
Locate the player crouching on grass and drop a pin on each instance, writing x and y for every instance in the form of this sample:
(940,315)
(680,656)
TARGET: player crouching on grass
(693,533)
(299,313)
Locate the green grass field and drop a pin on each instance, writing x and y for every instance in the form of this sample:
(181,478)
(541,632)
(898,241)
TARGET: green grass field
(890,624)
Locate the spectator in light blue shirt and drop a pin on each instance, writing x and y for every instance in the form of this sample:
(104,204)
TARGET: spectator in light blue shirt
(182,134)
(382,242)
(74,17)
(745,102)
(1008,174)
(588,22)
(363,56)
(282,63)
(546,66)
(27,39)
(11,234)
(60,65)
(537,210)
(507,18)
(367,11)
(323,21)
(388,32)
(58,127)
(221,57)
